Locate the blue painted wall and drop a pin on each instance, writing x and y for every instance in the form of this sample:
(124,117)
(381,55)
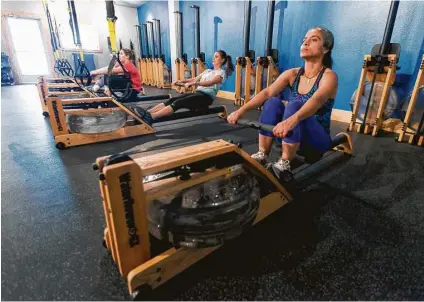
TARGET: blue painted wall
(219,29)
(356,25)
(156,10)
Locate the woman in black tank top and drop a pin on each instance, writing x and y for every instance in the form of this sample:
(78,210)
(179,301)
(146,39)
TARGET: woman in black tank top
(307,114)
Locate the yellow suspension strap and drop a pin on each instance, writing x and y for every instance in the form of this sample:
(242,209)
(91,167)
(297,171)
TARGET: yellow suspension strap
(121,83)
(111,19)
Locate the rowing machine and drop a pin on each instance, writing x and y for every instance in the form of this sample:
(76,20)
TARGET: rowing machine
(196,198)
(126,200)
(90,120)
(60,87)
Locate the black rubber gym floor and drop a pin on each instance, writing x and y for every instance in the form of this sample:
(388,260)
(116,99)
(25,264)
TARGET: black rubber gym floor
(354,232)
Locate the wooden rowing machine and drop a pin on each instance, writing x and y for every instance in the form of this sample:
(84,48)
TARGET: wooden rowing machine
(126,199)
(131,184)
(62,111)
(414,136)
(64,137)
(59,87)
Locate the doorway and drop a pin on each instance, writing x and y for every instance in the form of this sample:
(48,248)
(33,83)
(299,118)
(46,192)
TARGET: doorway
(27,47)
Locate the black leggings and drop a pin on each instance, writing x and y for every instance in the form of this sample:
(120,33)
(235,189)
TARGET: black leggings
(192,101)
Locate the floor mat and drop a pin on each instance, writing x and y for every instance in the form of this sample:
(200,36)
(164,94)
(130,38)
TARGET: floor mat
(381,177)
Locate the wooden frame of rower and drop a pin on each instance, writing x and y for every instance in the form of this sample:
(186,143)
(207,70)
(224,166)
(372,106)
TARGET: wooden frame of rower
(198,62)
(412,136)
(43,90)
(243,63)
(380,66)
(388,78)
(271,72)
(197,67)
(155,63)
(161,68)
(125,199)
(145,59)
(181,66)
(149,58)
(149,74)
(268,61)
(142,68)
(152,62)
(64,138)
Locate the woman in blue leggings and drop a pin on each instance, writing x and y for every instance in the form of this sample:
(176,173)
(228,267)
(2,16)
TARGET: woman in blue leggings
(307,113)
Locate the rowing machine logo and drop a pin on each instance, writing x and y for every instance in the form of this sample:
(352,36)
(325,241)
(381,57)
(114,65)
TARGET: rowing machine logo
(56,116)
(124,181)
(43,93)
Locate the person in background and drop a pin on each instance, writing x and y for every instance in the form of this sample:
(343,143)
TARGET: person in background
(126,56)
(208,83)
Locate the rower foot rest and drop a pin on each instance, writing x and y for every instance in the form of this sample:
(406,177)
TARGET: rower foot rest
(338,140)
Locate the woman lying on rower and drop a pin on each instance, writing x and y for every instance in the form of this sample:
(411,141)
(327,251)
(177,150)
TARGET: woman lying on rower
(208,83)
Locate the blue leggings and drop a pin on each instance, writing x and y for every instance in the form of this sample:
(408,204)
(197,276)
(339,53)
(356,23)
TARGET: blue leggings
(309,132)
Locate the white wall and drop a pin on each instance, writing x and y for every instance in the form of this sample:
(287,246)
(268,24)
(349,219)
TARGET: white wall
(125,29)
(90,12)
(25,6)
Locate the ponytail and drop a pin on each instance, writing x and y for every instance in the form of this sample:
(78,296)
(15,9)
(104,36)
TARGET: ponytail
(229,67)
(327,61)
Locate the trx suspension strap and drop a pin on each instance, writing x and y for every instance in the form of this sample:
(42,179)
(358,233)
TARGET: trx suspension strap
(132,46)
(81,73)
(65,66)
(116,82)
(59,66)
(52,37)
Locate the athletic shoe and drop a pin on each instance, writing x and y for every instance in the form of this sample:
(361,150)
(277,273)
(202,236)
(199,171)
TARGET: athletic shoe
(144,115)
(260,157)
(281,170)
